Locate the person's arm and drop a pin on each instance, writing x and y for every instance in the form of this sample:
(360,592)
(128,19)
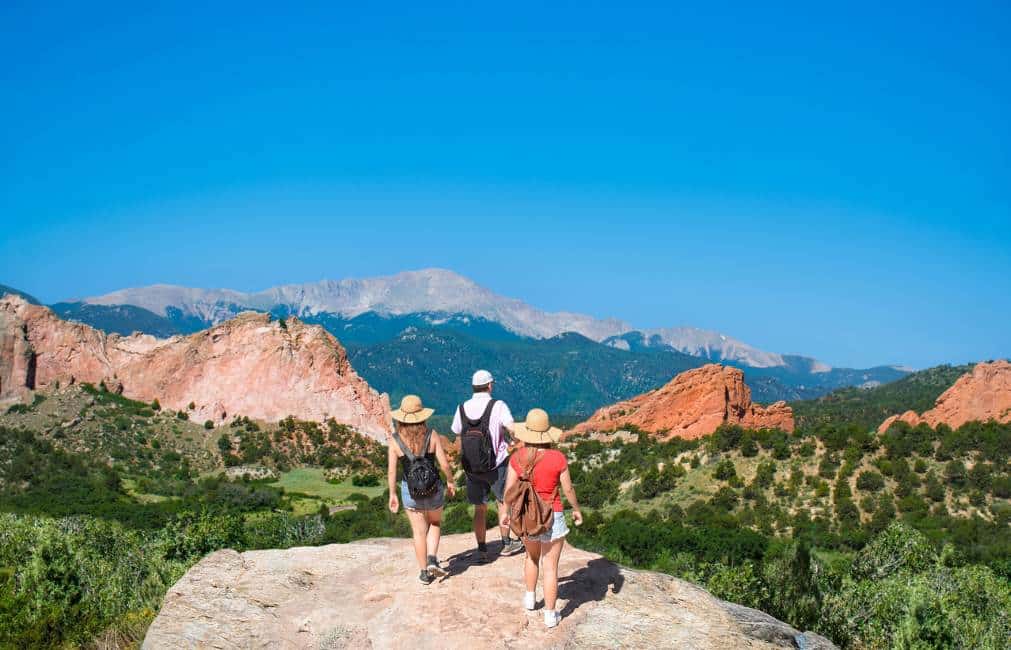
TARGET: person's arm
(507,419)
(391,477)
(457,426)
(440,455)
(570,496)
(505,424)
(511,478)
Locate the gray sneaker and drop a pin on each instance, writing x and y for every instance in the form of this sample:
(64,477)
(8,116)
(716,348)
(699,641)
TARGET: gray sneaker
(434,569)
(425,577)
(511,546)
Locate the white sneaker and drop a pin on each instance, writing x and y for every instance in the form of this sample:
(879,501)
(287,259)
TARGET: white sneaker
(529,600)
(551,618)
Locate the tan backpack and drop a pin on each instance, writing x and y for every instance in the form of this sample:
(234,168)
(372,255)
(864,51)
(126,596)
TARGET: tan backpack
(529,514)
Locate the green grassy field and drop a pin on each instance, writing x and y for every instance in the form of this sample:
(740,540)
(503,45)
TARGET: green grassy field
(130,486)
(311,482)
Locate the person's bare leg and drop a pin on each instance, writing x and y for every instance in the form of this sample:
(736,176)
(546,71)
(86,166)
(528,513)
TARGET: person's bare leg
(419,531)
(552,553)
(480,512)
(530,566)
(434,531)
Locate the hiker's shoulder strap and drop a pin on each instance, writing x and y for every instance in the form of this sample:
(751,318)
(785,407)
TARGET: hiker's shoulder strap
(428,439)
(531,460)
(403,447)
(486,416)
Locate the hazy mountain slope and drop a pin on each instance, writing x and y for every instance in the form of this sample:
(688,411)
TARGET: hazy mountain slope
(424,291)
(119,319)
(795,378)
(697,342)
(371,328)
(30,298)
(868,407)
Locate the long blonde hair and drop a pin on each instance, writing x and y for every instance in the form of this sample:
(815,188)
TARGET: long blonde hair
(413,435)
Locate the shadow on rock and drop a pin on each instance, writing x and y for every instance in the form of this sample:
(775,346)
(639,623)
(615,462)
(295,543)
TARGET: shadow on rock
(460,562)
(591,583)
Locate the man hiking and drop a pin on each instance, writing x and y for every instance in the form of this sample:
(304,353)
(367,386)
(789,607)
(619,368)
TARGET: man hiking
(481,424)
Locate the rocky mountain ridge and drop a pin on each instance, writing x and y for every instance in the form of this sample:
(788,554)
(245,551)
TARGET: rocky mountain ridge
(427,290)
(366,595)
(695,403)
(982,394)
(251,365)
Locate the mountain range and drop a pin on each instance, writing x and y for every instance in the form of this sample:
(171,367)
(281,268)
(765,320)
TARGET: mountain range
(426,330)
(429,290)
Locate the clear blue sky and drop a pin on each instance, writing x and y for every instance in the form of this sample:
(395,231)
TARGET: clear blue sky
(827,181)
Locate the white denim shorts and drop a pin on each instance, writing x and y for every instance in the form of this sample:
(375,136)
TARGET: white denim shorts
(559,529)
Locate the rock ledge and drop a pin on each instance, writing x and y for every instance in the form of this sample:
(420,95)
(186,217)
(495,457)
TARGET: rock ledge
(366,595)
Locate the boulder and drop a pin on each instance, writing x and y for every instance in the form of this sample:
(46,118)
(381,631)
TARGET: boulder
(252,365)
(693,404)
(366,595)
(982,394)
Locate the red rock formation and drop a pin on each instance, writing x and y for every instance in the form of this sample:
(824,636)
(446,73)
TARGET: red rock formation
(248,366)
(983,394)
(692,405)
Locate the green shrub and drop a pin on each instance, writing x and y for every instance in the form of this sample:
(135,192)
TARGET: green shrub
(724,470)
(766,474)
(869,481)
(898,548)
(738,584)
(365,480)
(954,472)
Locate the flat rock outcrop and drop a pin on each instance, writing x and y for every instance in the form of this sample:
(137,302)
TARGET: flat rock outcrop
(251,365)
(982,394)
(693,404)
(366,595)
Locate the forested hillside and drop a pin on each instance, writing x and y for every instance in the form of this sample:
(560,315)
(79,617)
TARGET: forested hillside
(868,407)
(567,374)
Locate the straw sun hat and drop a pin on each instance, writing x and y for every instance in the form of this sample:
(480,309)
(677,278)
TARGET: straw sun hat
(537,429)
(411,410)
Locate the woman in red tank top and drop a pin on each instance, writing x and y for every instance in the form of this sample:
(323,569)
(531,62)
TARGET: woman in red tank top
(550,477)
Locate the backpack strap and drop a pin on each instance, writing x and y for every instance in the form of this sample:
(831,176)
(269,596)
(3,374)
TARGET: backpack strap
(481,421)
(428,439)
(531,461)
(486,416)
(403,447)
(528,473)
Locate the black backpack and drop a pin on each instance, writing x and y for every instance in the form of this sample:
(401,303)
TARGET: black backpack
(476,450)
(419,471)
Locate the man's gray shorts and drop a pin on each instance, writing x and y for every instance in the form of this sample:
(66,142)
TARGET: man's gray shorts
(479,485)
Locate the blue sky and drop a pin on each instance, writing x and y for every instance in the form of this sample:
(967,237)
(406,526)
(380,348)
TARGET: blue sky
(827,181)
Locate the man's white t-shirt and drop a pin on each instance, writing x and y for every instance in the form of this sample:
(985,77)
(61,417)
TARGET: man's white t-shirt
(500,419)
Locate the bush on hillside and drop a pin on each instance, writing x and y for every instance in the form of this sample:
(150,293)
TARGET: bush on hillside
(869,481)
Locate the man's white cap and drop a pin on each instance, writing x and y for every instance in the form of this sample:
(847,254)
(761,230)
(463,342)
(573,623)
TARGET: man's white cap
(481,377)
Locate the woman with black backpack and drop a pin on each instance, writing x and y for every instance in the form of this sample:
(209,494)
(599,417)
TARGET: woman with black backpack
(421,488)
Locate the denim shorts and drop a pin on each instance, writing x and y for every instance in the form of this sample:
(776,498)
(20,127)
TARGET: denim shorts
(433,502)
(559,529)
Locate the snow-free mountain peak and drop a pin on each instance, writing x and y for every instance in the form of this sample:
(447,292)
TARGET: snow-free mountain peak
(433,291)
